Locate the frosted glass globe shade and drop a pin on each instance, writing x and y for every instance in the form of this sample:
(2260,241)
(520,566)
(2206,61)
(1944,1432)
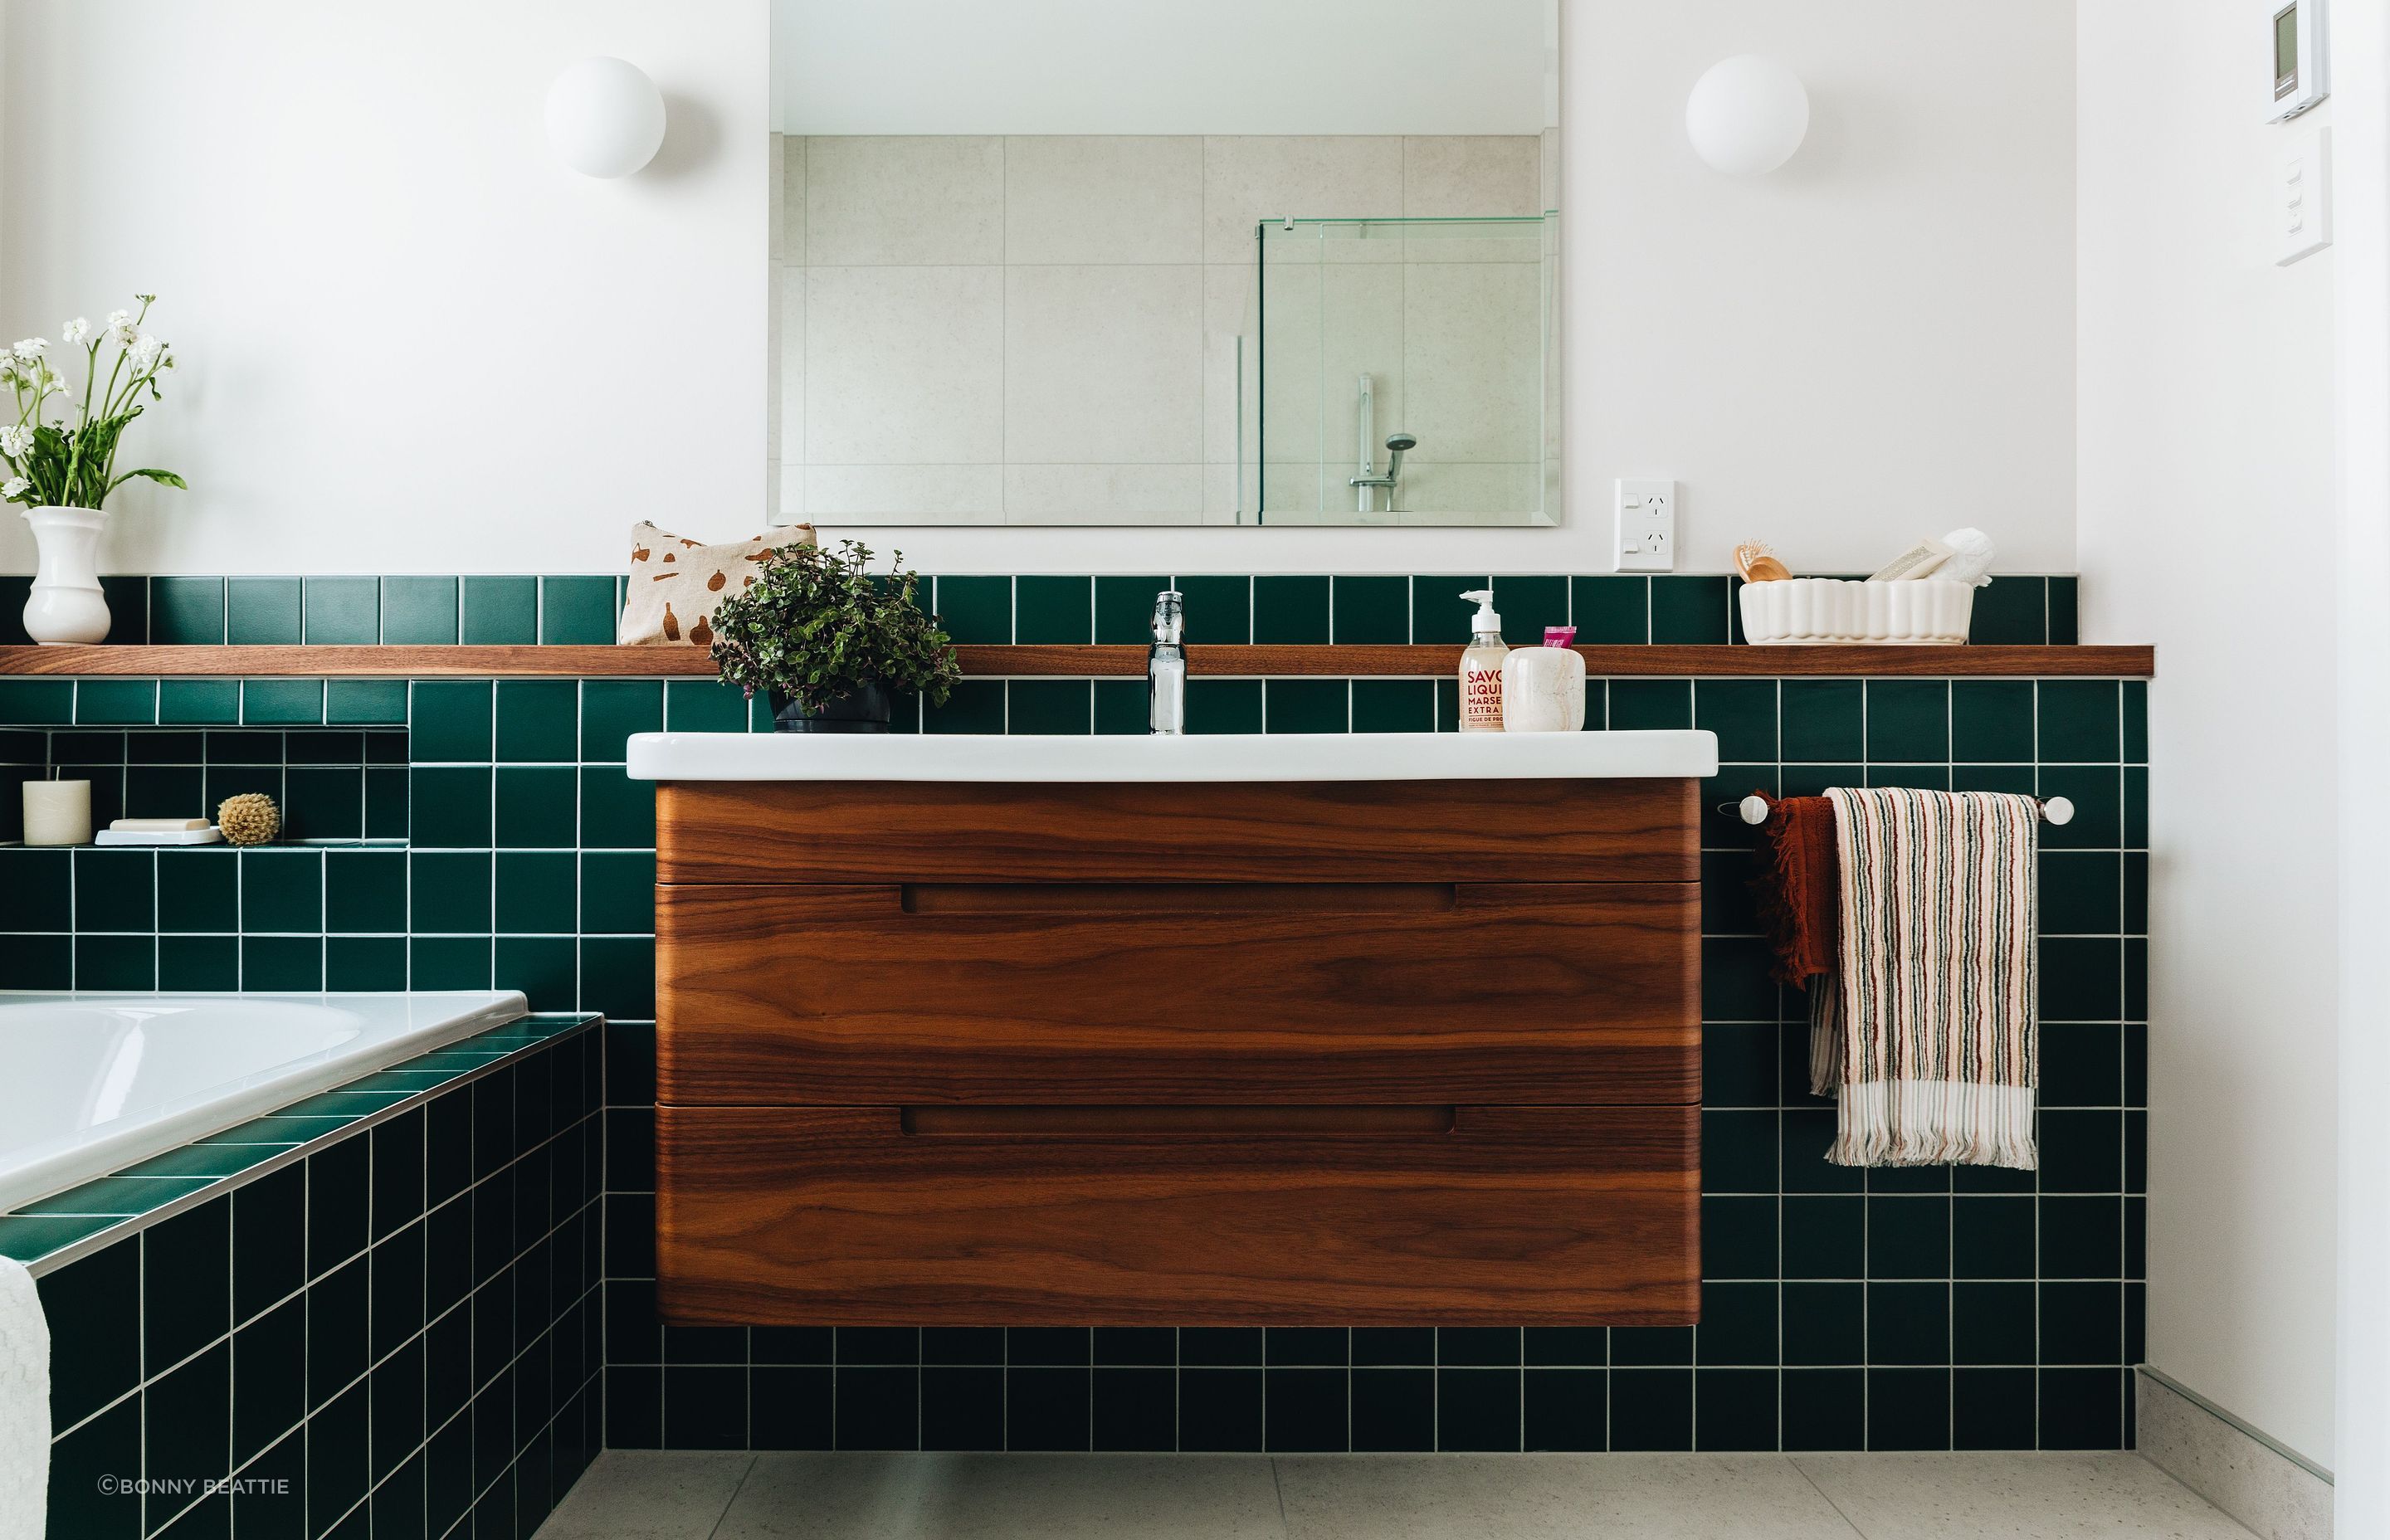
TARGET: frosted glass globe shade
(605,117)
(1747,115)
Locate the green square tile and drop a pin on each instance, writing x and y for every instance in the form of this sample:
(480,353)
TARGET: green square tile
(1924,777)
(292,963)
(1308,706)
(419,611)
(282,889)
(364,700)
(448,894)
(1689,611)
(1824,719)
(1991,720)
(535,806)
(199,963)
(2079,721)
(449,721)
(29,1237)
(2010,610)
(1054,610)
(448,962)
(1290,612)
(2081,893)
(365,890)
(1219,609)
(1909,720)
(1447,704)
(2017,779)
(227,781)
(1741,712)
(618,892)
(1610,610)
(39,962)
(1529,604)
(199,700)
(116,962)
(616,812)
(976,706)
(1637,704)
(1393,705)
(119,1195)
(115,890)
(975,610)
(128,612)
(264,611)
(1052,707)
(116,701)
(576,611)
(2136,831)
(199,889)
(344,611)
(16,588)
(539,720)
(1371,610)
(37,702)
(386,802)
(1439,615)
(704,706)
(1125,609)
(542,966)
(618,977)
(535,892)
(448,806)
(186,610)
(499,612)
(612,710)
(282,702)
(2061,611)
(1224,705)
(1120,708)
(2136,720)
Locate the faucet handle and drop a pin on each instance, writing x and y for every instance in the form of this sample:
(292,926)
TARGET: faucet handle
(1169,617)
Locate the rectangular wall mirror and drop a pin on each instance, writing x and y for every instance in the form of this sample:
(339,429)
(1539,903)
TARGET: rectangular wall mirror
(1176,262)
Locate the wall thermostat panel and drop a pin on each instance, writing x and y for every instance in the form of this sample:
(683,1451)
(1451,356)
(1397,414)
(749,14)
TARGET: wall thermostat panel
(2295,45)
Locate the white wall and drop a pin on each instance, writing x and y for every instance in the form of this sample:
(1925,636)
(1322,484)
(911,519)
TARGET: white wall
(2206,510)
(413,341)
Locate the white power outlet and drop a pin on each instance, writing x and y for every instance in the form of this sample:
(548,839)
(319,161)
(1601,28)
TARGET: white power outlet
(1647,526)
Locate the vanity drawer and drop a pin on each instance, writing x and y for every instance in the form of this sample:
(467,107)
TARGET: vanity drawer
(1341,1215)
(1235,831)
(1541,992)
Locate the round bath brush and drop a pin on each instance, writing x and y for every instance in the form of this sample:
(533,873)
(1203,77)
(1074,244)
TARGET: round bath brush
(250,818)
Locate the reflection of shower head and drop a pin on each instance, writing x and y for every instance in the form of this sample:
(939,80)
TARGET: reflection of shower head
(1400,442)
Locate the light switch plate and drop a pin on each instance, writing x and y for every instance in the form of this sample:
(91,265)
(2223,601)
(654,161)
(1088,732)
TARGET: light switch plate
(1647,525)
(2301,195)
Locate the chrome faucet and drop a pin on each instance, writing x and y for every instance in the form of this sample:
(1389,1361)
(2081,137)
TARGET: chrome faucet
(1165,665)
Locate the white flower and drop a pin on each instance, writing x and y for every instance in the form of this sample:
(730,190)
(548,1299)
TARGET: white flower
(75,330)
(15,440)
(118,317)
(145,350)
(14,488)
(31,348)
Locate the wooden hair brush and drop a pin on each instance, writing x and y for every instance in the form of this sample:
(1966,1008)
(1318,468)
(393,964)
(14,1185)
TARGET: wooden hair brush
(1758,564)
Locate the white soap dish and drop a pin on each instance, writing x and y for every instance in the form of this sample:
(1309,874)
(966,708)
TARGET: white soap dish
(1821,611)
(207,836)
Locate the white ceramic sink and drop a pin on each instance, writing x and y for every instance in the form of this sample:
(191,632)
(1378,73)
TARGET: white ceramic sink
(1262,757)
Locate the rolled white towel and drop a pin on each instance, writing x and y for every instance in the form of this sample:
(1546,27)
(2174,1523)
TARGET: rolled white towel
(1971,558)
(24,1405)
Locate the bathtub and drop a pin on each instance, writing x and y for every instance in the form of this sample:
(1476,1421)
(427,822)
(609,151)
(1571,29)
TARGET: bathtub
(92,1083)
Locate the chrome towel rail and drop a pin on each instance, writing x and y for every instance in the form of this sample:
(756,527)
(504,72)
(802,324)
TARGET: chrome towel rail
(1754,810)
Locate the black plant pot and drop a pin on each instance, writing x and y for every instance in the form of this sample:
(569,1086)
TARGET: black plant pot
(864,710)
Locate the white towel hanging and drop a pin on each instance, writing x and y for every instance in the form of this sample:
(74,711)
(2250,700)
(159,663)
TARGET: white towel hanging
(24,1405)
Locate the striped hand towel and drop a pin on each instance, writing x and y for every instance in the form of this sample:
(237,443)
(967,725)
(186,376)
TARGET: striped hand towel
(1926,1029)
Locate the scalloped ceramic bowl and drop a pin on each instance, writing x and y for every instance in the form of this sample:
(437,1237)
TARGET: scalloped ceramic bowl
(1819,611)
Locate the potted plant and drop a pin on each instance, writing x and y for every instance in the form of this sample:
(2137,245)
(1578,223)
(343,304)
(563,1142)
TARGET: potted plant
(830,643)
(63,473)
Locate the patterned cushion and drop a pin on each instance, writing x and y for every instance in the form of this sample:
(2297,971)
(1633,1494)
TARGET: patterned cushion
(676,581)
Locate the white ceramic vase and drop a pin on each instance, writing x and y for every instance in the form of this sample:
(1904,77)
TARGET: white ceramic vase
(67,604)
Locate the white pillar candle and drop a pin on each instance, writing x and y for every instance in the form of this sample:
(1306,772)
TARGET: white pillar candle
(58,813)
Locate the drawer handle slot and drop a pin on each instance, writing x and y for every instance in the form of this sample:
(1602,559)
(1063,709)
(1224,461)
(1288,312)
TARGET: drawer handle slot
(1104,1122)
(1117,898)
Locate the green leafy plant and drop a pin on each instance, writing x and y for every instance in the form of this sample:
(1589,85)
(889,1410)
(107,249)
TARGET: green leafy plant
(64,465)
(815,626)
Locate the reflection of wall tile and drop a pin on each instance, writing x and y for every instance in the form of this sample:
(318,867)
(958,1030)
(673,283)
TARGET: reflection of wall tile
(1103,198)
(1231,343)
(789,321)
(1103,364)
(1473,360)
(1430,486)
(959,494)
(905,364)
(1102,494)
(1462,176)
(918,198)
(1248,178)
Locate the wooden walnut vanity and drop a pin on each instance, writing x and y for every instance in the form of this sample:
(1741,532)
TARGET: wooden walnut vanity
(1188,1031)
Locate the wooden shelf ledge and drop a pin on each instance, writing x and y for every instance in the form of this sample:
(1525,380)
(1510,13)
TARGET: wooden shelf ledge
(488,663)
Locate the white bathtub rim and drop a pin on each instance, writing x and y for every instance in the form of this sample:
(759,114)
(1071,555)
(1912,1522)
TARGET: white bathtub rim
(188,1119)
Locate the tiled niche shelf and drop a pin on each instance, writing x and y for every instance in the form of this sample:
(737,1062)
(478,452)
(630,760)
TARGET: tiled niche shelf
(1070,661)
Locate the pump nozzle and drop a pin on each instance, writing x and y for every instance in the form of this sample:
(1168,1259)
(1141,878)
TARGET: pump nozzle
(1485,620)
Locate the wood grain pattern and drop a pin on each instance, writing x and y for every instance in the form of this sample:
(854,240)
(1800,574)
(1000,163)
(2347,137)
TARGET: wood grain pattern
(1362,832)
(1516,1215)
(425,662)
(1554,992)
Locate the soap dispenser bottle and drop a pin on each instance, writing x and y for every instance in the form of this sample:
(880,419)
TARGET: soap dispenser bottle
(1481,667)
